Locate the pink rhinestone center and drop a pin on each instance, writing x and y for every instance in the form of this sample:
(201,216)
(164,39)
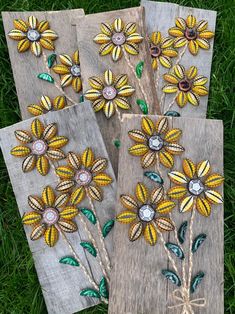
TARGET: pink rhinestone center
(109,92)
(83,177)
(39,147)
(118,39)
(50,216)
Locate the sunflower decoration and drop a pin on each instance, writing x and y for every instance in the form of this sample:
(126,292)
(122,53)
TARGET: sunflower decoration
(70,71)
(47,104)
(49,215)
(191,33)
(85,174)
(155,141)
(116,37)
(188,85)
(195,187)
(33,34)
(145,213)
(161,50)
(109,93)
(39,146)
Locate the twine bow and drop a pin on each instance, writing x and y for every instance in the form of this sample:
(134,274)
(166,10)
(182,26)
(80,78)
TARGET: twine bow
(182,295)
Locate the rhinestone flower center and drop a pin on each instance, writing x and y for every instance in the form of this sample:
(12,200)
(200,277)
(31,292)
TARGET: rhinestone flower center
(118,38)
(184,85)
(195,187)
(190,34)
(155,142)
(146,213)
(33,35)
(155,51)
(109,92)
(39,147)
(75,70)
(83,177)
(50,216)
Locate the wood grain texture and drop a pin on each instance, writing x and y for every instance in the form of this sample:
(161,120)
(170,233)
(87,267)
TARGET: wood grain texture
(26,67)
(137,285)
(61,284)
(92,64)
(160,17)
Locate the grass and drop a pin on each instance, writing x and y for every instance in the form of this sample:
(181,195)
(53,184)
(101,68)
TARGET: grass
(19,288)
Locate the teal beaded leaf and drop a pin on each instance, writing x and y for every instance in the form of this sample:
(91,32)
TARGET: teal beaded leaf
(170,275)
(182,232)
(69,260)
(196,281)
(175,249)
(89,247)
(90,293)
(198,241)
(107,227)
(172,114)
(46,77)
(51,60)
(143,106)
(89,215)
(103,288)
(154,176)
(139,69)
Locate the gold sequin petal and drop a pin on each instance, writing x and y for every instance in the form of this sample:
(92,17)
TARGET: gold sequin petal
(66,60)
(31,218)
(203,168)
(116,53)
(162,125)
(191,72)
(51,236)
(61,69)
(105,49)
(148,159)
(138,150)
(157,195)
(102,39)
(99,165)
(65,172)
(77,196)
(59,102)
(20,25)
(171,78)
(189,168)
(193,47)
(48,196)
(200,90)
(186,204)
(180,23)
(174,148)
(126,91)
(20,151)
(35,203)
(130,28)
(193,98)
(87,157)
(182,99)
(42,165)
(102,179)
(203,43)
(35,110)
(98,104)
(49,132)
(214,197)
(17,34)
(191,21)
(77,84)
(74,160)
(200,80)
(95,193)
(203,207)
(128,202)
(65,185)
(164,224)
(61,200)
(67,225)
(49,34)
(201,25)
(173,135)
(170,89)
(126,216)
(156,38)
(170,52)
(147,126)
(75,57)
(177,177)
(122,103)
(55,154)
(96,83)
(131,48)
(177,192)
(164,60)
(120,81)
(118,25)
(46,102)
(135,231)
(141,192)
(69,212)
(47,43)
(205,34)
(23,45)
(108,78)
(137,136)
(106,28)
(23,136)
(29,163)
(134,38)
(66,80)
(43,26)
(166,159)
(180,42)
(150,233)
(36,48)
(176,32)
(37,232)
(58,142)
(33,21)
(92,94)
(109,109)
(37,128)
(165,206)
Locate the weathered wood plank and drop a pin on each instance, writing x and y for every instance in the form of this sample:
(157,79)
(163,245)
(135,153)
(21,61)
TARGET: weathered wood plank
(92,64)
(61,284)
(26,66)
(137,285)
(160,17)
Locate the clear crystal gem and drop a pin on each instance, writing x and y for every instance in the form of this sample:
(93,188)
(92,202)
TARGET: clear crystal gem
(75,70)
(146,213)
(156,142)
(195,187)
(33,35)
(109,92)
(83,177)
(118,38)
(50,216)
(39,147)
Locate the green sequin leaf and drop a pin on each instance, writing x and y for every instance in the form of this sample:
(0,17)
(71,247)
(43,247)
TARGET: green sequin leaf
(89,247)
(154,176)
(103,288)
(175,249)
(81,99)
(89,215)
(117,143)
(182,232)
(51,60)
(69,260)
(196,281)
(172,114)
(90,293)
(139,69)
(107,227)
(198,241)
(46,77)
(170,275)
(143,106)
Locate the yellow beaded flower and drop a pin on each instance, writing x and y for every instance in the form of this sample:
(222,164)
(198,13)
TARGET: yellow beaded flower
(191,33)
(109,93)
(193,189)
(155,141)
(113,38)
(70,71)
(187,84)
(49,216)
(161,50)
(142,213)
(47,104)
(85,173)
(33,34)
(39,146)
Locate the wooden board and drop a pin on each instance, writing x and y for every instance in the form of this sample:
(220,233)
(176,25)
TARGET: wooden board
(92,64)
(137,285)
(61,284)
(26,66)
(160,17)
